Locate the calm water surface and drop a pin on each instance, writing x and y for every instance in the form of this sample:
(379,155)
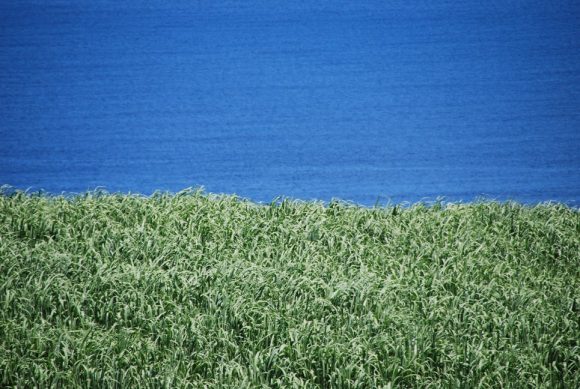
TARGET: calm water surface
(388,100)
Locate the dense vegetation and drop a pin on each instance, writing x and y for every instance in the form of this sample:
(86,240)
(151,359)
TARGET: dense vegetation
(198,290)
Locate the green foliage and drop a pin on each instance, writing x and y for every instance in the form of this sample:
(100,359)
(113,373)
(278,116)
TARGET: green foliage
(197,290)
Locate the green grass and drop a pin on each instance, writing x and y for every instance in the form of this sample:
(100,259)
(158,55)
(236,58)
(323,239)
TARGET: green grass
(200,290)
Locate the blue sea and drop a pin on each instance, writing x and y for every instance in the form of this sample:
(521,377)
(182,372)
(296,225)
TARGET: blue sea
(365,101)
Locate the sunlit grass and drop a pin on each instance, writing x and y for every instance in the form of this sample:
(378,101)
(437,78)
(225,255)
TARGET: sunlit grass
(199,290)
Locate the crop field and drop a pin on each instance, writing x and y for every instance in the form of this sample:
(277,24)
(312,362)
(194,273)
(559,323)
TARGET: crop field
(199,290)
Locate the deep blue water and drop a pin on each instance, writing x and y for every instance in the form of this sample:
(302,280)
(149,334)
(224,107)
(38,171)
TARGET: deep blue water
(360,100)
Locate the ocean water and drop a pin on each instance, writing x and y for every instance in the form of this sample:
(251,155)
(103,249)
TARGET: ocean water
(359,100)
